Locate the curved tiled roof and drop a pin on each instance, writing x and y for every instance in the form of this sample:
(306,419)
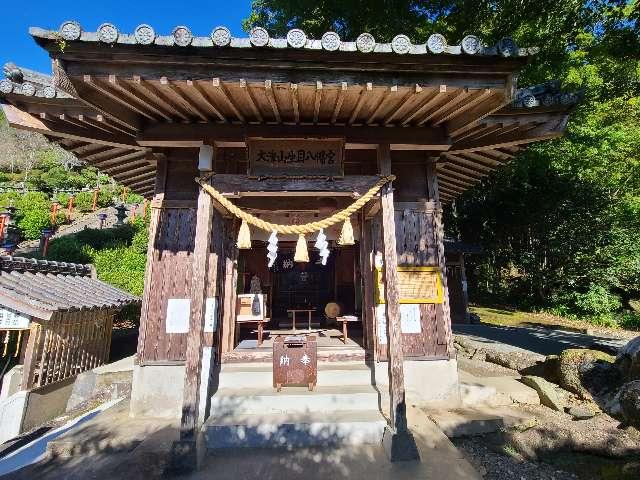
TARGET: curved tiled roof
(48,286)
(221,37)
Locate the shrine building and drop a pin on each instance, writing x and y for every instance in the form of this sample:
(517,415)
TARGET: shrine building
(296,190)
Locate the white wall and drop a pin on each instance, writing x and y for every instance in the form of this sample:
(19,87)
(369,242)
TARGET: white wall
(11,414)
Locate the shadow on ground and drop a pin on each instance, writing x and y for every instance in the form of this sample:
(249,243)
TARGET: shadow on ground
(544,341)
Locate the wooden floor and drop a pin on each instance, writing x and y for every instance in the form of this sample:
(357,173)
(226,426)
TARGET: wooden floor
(330,346)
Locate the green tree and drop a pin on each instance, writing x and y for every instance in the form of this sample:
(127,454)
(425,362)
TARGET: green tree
(559,225)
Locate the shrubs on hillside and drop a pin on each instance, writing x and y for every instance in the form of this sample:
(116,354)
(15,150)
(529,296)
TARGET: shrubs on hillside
(118,253)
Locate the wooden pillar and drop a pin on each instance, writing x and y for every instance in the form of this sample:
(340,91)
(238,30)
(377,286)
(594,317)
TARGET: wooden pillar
(184,452)
(398,441)
(366,270)
(465,291)
(434,196)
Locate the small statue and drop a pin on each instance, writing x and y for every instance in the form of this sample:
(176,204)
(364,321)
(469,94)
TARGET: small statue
(256,286)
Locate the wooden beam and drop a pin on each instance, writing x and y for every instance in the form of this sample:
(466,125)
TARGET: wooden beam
(381,104)
(428,103)
(128,92)
(464,122)
(316,102)
(367,89)
(339,101)
(398,407)
(439,237)
(218,85)
(295,103)
(476,165)
(452,166)
(543,132)
(118,109)
(268,90)
(244,87)
(136,155)
(401,105)
(195,336)
(24,121)
(241,186)
(154,95)
(142,183)
(475,98)
(204,98)
(458,98)
(173,135)
(184,99)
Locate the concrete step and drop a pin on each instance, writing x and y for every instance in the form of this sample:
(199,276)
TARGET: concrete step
(480,420)
(294,430)
(260,375)
(291,400)
(494,391)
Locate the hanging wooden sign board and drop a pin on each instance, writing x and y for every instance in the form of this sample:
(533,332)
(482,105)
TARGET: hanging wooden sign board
(287,157)
(416,285)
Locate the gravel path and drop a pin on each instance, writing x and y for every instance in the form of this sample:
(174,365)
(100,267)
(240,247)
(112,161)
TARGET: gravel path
(506,466)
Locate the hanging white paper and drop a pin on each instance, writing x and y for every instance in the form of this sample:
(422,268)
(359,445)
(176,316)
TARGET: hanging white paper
(178,312)
(410,318)
(381,315)
(13,320)
(211,315)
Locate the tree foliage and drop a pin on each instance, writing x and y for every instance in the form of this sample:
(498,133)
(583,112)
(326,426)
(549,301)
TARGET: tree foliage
(560,225)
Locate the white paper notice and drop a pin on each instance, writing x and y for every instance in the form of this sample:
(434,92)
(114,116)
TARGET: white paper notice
(211,315)
(410,318)
(381,315)
(178,312)
(13,320)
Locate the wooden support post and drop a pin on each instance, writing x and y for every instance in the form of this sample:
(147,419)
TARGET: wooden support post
(434,196)
(94,202)
(366,271)
(399,442)
(465,291)
(184,451)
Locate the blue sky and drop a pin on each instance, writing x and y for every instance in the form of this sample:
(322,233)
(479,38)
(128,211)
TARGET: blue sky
(163,15)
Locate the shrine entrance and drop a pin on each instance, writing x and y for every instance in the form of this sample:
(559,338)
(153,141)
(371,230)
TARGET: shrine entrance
(316,294)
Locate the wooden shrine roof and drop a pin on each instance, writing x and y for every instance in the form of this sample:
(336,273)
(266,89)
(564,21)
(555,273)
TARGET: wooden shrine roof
(120,101)
(41,287)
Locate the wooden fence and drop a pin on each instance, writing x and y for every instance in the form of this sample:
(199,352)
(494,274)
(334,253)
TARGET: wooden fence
(66,345)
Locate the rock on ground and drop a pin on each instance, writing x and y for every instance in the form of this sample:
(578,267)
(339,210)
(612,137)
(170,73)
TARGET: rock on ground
(548,393)
(628,360)
(514,360)
(629,396)
(576,365)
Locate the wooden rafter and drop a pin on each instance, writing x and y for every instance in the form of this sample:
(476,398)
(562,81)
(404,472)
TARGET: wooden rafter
(433,99)
(268,90)
(219,87)
(132,96)
(339,101)
(183,99)
(295,103)
(316,102)
(364,93)
(156,96)
(244,87)
(204,98)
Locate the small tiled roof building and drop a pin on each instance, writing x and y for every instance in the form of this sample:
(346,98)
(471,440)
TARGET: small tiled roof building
(55,318)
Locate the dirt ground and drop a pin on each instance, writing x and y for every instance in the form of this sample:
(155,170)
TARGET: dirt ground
(557,447)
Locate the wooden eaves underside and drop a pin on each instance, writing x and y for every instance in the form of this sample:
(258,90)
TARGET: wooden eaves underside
(124,107)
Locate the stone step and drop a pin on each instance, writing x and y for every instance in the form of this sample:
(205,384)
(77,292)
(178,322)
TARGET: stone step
(494,391)
(480,420)
(294,430)
(260,375)
(291,400)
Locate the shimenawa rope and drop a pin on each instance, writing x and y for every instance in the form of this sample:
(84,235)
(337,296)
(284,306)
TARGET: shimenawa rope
(311,227)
